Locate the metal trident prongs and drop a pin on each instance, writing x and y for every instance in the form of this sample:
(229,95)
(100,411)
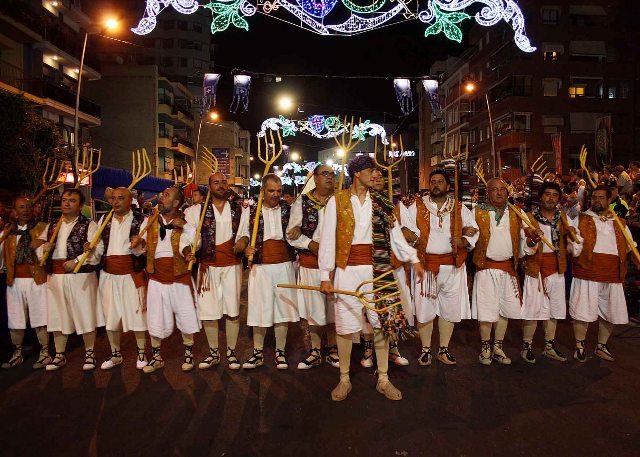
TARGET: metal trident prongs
(140,169)
(346,146)
(388,164)
(268,158)
(367,298)
(621,226)
(480,174)
(184,177)
(211,162)
(83,168)
(50,178)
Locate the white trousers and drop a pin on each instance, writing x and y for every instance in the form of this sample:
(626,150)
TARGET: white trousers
(267,303)
(122,303)
(405,292)
(313,306)
(72,304)
(495,294)
(538,306)
(222,296)
(164,301)
(26,301)
(452,300)
(350,317)
(589,300)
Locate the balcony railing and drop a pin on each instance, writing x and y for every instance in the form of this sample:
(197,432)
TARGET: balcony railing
(10,74)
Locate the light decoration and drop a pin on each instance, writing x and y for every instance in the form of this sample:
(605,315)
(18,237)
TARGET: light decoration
(323,127)
(441,16)
(241,85)
(209,90)
(404,95)
(295,174)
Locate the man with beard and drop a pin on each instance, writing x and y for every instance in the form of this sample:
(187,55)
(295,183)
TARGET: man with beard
(220,271)
(170,289)
(444,293)
(26,289)
(71,297)
(599,270)
(544,284)
(122,288)
(496,291)
(303,233)
(359,232)
(269,306)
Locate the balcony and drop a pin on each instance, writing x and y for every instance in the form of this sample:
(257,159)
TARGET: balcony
(63,95)
(176,144)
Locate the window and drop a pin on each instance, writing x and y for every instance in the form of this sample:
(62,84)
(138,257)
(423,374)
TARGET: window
(550,87)
(588,51)
(167,61)
(550,55)
(167,43)
(586,87)
(522,122)
(162,130)
(522,85)
(552,123)
(619,89)
(550,15)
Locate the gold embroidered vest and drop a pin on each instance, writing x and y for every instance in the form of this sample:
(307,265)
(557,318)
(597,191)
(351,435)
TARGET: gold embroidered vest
(39,274)
(484,223)
(180,266)
(423,221)
(587,227)
(345,226)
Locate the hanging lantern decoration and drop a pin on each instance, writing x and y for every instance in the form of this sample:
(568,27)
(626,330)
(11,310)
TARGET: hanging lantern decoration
(209,90)
(404,95)
(241,85)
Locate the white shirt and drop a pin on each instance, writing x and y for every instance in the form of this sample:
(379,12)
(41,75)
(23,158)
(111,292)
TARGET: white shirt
(119,242)
(500,246)
(295,220)
(439,237)
(60,249)
(164,247)
(272,218)
(224,228)
(361,235)
(606,235)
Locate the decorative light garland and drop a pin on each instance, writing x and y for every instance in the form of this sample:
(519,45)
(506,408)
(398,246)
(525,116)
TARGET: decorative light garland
(442,16)
(323,127)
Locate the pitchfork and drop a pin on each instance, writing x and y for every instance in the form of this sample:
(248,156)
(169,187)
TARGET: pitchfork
(140,169)
(389,164)
(346,146)
(456,156)
(627,237)
(83,168)
(268,159)
(211,162)
(480,174)
(50,179)
(364,298)
(188,179)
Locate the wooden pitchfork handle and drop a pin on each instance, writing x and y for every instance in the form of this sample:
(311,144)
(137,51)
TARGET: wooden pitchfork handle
(572,236)
(358,295)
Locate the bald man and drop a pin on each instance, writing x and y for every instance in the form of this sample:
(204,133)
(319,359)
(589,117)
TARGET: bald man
(122,287)
(26,284)
(496,291)
(220,271)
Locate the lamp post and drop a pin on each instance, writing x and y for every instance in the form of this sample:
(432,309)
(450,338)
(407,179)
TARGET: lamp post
(470,87)
(110,24)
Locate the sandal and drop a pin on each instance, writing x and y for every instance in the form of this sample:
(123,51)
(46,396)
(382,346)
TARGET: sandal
(255,361)
(16,358)
(313,360)
(232,360)
(281,360)
(59,360)
(212,359)
(89,360)
(332,356)
(155,363)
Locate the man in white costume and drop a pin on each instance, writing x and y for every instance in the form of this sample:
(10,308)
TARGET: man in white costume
(444,293)
(358,223)
(220,270)
(303,233)
(72,297)
(268,305)
(170,292)
(123,285)
(544,284)
(26,284)
(599,270)
(496,291)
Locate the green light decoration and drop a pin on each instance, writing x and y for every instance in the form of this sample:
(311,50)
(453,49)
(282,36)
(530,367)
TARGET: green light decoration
(446,22)
(375,6)
(360,131)
(226,13)
(288,128)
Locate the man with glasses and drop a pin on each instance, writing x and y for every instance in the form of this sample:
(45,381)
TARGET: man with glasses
(496,291)
(303,233)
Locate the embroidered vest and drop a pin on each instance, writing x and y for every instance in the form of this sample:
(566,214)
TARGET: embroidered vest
(423,221)
(310,217)
(345,227)
(484,223)
(285,212)
(138,219)
(532,262)
(587,227)
(10,244)
(208,232)
(75,243)
(180,266)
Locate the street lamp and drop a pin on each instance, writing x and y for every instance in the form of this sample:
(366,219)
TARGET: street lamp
(214,116)
(294,156)
(285,103)
(109,24)
(470,88)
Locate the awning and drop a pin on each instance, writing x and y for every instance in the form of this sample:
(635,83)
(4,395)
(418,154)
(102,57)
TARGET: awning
(588,48)
(553,47)
(587,10)
(552,120)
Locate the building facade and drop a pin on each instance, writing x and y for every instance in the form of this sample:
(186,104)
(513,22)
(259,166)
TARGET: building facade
(578,88)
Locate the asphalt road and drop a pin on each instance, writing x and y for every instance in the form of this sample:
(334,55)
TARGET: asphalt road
(546,409)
